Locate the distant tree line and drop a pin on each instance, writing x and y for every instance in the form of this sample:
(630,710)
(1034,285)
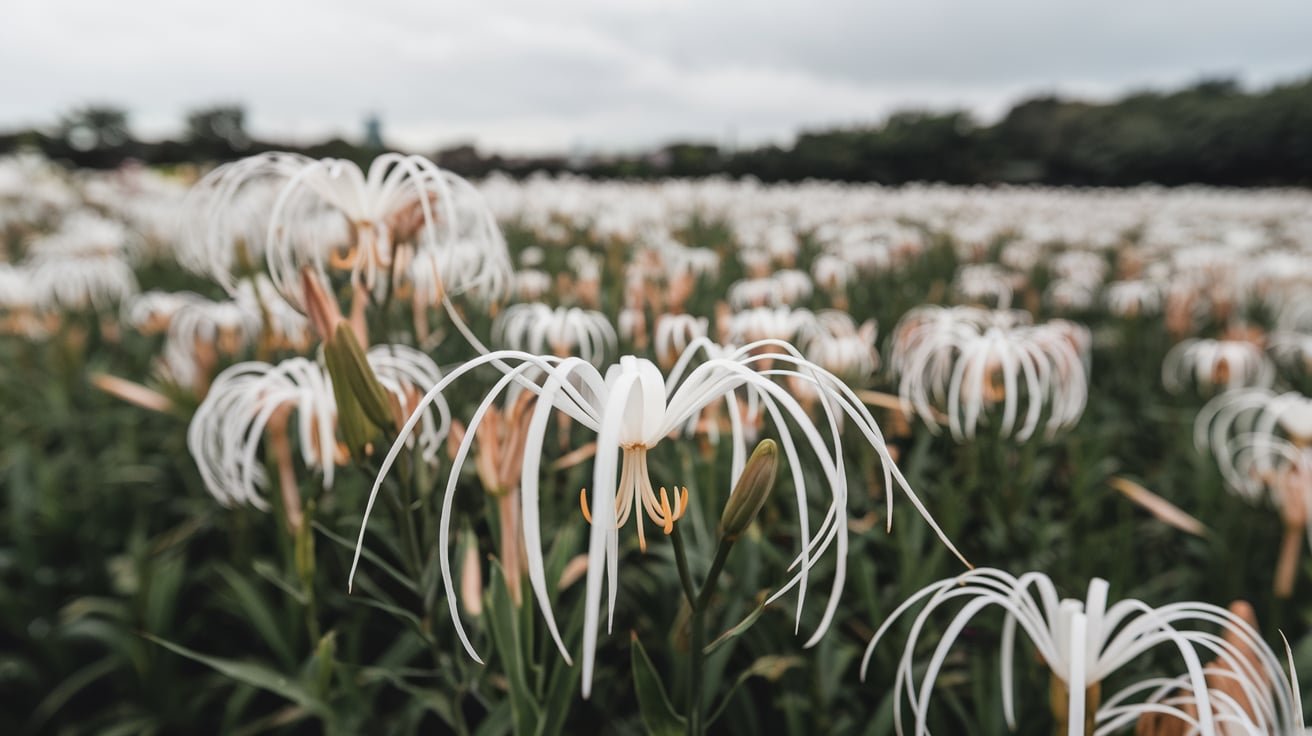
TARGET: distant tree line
(1213,132)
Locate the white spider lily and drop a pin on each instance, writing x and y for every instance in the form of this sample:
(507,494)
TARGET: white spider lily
(1245,700)
(531,284)
(225,432)
(150,312)
(781,288)
(767,323)
(200,330)
(673,334)
(835,342)
(950,367)
(985,282)
(226,216)
(632,408)
(1070,295)
(1082,643)
(404,205)
(1256,427)
(1133,298)
(1262,442)
(89,282)
(564,331)
(401,199)
(1212,364)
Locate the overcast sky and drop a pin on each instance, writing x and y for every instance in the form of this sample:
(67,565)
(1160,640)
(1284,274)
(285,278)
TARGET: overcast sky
(557,75)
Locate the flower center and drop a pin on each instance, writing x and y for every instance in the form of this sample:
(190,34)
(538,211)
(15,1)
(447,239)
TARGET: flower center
(635,486)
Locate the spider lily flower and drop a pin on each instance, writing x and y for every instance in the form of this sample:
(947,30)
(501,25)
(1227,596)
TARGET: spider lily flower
(1071,295)
(403,206)
(250,400)
(632,407)
(226,216)
(1244,699)
(531,284)
(98,283)
(1128,299)
(1262,442)
(1083,643)
(767,323)
(198,333)
(835,342)
(949,366)
(563,331)
(673,334)
(1227,364)
(82,266)
(150,312)
(986,283)
(782,288)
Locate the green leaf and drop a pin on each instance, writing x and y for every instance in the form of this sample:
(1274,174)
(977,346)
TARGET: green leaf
(257,612)
(70,686)
(371,557)
(737,629)
(654,705)
(266,570)
(770,668)
(501,615)
(435,700)
(253,674)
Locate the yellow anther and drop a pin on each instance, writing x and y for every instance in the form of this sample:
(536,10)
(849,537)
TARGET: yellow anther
(666,513)
(583,502)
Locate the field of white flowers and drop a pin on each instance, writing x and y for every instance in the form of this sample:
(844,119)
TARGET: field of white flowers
(295,447)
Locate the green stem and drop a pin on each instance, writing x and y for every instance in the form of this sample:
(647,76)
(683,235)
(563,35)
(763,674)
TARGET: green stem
(697,650)
(681,561)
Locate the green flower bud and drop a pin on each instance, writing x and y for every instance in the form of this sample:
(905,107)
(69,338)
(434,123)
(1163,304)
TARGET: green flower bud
(359,376)
(753,488)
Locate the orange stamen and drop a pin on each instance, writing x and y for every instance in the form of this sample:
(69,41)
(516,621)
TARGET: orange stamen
(666,512)
(583,502)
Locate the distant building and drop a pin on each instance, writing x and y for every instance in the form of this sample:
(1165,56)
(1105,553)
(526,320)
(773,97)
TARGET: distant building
(373,132)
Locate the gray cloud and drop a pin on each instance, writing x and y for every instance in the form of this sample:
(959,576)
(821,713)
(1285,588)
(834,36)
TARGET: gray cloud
(541,76)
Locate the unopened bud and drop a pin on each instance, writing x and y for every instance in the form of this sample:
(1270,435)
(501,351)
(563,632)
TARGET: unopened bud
(754,486)
(359,376)
(320,307)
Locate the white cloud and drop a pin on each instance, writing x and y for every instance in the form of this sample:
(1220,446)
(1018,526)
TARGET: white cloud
(522,75)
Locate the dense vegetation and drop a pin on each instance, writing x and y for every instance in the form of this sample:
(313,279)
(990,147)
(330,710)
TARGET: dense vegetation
(1211,133)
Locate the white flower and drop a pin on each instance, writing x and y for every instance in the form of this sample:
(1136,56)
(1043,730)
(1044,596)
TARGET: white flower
(403,206)
(950,365)
(564,331)
(632,408)
(835,342)
(673,334)
(531,284)
(73,284)
(1133,298)
(225,432)
(1225,364)
(985,282)
(767,323)
(1082,643)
